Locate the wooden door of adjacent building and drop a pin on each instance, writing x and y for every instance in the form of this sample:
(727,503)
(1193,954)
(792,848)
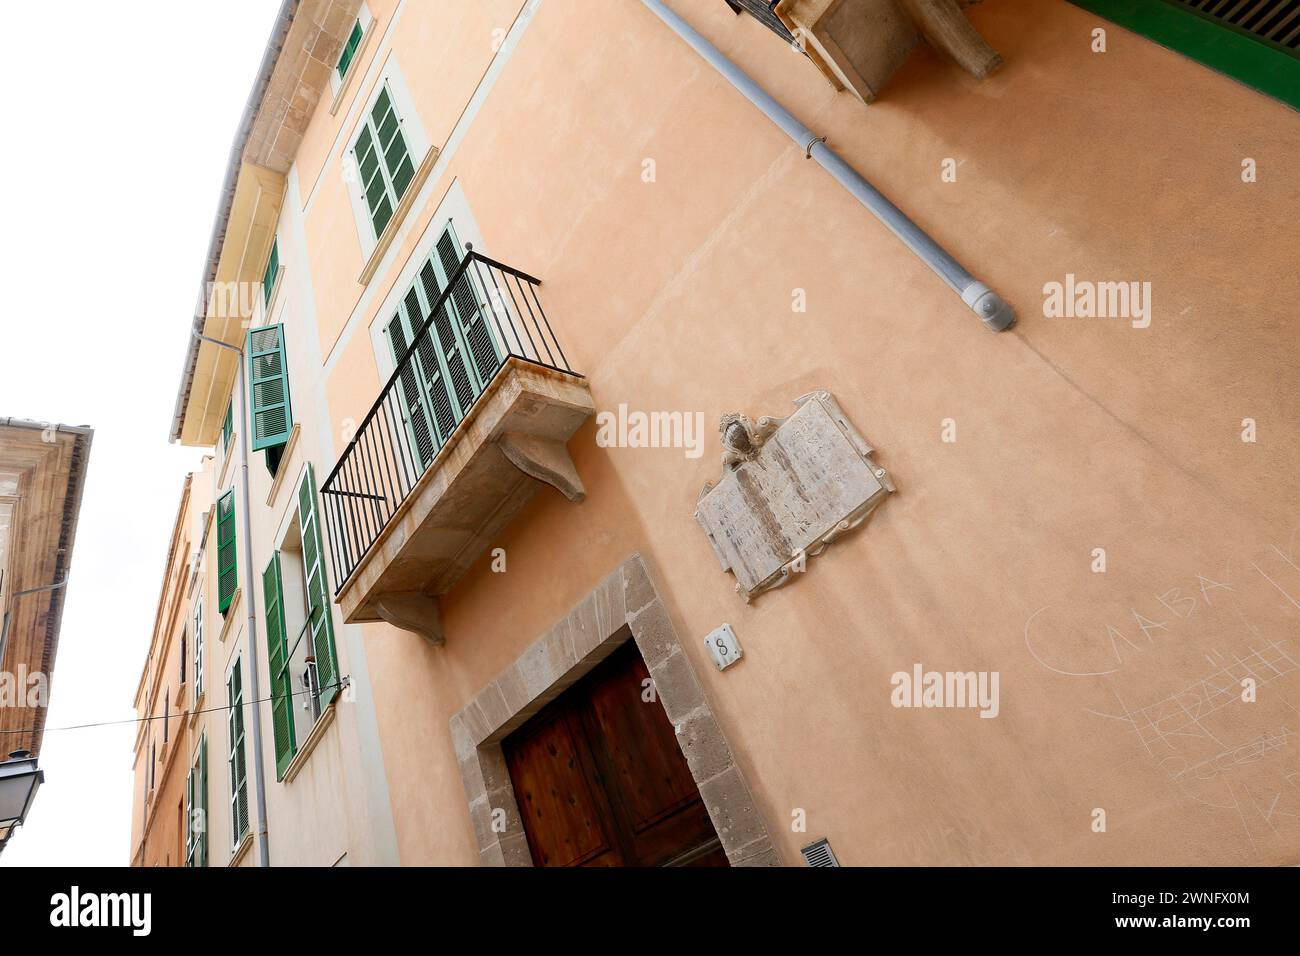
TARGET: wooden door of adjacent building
(600,779)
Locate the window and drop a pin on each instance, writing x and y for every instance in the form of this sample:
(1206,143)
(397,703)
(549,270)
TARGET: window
(236,762)
(198,647)
(196,808)
(184,655)
(227,566)
(272,271)
(228,428)
(382,160)
(350,48)
(153,763)
(1254,41)
(167,712)
(268,390)
(453,363)
(299,629)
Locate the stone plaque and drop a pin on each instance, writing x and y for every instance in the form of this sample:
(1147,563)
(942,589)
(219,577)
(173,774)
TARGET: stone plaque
(789,487)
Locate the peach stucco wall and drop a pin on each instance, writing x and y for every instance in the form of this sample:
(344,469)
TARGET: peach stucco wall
(1072,434)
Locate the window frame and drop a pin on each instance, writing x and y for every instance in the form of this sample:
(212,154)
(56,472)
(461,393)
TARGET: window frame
(225,600)
(365,21)
(317,630)
(227,429)
(197,620)
(417,146)
(269,274)
(196,799)
(235,715)
(1220,46)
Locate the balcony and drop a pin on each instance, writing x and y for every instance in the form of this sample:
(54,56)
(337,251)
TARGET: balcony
(473,422)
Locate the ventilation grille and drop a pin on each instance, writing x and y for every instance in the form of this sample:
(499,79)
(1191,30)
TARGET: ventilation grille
(819,854)
(1275,22)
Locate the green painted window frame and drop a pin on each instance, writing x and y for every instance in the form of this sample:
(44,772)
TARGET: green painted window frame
(382,156)
(350,48)
(198,647)
(270,409)
(277,653)
(228,428)
(319,614)
(196,802)
(236,760)
(318,629)
(454,363)
(227,561)
(1220,46)
(272,271)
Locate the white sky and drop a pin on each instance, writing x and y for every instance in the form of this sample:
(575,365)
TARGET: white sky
(127,113)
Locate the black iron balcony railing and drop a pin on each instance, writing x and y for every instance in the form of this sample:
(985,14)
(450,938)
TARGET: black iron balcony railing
(487,314)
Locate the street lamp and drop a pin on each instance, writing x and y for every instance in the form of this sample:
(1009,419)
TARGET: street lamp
(19,780)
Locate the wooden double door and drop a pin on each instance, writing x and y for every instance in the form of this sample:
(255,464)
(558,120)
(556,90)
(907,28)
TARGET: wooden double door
(601,781)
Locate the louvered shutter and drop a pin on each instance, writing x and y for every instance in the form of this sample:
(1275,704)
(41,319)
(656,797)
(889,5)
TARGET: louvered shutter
(203,802)
(443,414)
(238,765)
(350,49)
(463,392)
(227,569)
(277,652)
(228,427)
(374,184)
(198,648)
(268,387)
(318,598)
(469,313)
(383,161)
(190,845)
(423,440)
(272,271)
(392,143)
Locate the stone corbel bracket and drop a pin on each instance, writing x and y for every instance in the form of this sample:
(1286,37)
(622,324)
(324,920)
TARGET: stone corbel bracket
(858,44)
(546,459)
(790,487)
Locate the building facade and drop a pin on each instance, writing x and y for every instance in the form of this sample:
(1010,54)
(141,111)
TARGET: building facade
(494,286)
(43,470)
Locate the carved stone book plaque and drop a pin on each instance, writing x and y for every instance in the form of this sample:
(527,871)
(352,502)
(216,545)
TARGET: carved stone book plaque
(789,487)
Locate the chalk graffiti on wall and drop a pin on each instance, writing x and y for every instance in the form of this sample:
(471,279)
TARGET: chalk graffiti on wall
(1227,736)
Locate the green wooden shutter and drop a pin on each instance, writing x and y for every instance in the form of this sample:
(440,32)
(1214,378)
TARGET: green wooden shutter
(440,403)
(268,387)
(374,184)
(237,763)
(414,409)
(479,342)
(227,570)
(350,49)
(1251,41)
(318,596)
(203,802)
(272,271)
(228,427)
(189,819)
(451,350)
(383,160)
(392,143)
(198,648)
(277,652)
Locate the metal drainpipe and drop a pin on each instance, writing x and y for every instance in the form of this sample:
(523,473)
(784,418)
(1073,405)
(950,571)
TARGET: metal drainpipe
(993,311)
(255,716)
